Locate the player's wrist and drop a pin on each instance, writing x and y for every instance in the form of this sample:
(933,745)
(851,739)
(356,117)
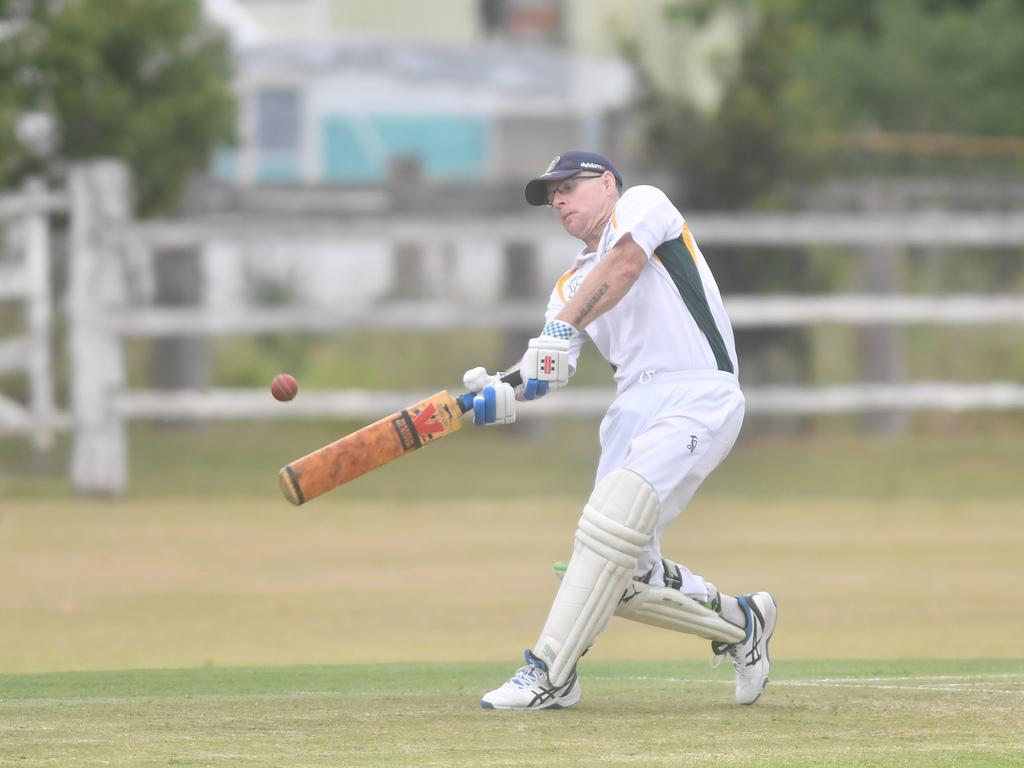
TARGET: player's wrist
(559,329)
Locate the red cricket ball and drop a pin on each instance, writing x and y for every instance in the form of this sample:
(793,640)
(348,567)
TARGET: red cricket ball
(284,387)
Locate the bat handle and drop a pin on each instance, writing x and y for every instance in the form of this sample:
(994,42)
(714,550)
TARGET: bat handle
(465,400)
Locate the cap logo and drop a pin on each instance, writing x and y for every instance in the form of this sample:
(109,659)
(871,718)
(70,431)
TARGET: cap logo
(551,167)
(585,164)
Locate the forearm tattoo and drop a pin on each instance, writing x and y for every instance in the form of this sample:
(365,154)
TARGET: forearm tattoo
(591,303)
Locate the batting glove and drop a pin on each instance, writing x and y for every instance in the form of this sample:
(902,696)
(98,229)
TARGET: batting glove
(546,362)
(495,404)
(475,379)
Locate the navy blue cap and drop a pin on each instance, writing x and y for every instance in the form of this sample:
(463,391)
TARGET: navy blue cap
(563,167)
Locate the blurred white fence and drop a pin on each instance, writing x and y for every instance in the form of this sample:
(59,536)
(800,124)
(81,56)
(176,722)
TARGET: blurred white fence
(25,279)
(112,263)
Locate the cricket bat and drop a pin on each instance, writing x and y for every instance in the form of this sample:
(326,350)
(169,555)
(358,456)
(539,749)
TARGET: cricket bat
(377,444)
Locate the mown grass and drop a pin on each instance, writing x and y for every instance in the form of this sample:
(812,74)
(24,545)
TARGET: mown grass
(193,581)
(212,596)
(934,713)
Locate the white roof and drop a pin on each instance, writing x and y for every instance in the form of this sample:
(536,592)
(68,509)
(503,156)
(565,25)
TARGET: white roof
(519,78)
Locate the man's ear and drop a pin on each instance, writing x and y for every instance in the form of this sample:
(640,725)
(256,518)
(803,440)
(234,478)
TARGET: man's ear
(608,179)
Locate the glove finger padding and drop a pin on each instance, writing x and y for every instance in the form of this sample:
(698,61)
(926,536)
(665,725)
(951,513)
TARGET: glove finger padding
(495,404)
(532,389)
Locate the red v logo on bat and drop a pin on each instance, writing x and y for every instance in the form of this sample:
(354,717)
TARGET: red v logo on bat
(422,421)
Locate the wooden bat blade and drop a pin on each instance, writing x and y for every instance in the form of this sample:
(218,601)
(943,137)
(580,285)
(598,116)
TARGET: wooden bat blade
(370,447)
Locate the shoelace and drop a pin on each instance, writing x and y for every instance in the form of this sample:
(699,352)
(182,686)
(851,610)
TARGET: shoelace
(525,676)
(732,651)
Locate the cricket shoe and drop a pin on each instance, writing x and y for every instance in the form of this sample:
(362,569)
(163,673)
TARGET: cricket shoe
(750,657)
(529,688)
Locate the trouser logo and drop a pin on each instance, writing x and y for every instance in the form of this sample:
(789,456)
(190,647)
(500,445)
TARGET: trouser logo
(692,445)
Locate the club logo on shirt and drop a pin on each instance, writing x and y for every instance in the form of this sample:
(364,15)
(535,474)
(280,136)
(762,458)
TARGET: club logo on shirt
(573,285)
(692,445)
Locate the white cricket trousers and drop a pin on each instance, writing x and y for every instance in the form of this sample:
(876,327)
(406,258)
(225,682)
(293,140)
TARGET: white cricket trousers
(672,429)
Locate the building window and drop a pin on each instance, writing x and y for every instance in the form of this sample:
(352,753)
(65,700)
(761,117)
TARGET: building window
(525,20)
(278,133)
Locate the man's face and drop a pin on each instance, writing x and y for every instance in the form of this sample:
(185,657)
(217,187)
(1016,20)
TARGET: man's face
(583,203)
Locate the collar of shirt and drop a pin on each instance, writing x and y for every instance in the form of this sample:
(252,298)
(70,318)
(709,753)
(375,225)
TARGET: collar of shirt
(602,246)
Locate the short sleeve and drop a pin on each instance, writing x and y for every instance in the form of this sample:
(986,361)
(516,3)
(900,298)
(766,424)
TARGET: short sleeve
(647,215)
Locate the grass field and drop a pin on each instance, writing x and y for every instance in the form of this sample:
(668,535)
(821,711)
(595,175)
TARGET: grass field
(927,714)
(201,620)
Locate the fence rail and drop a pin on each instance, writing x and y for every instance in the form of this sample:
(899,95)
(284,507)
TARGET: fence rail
(356,404)
(921,228)
(745,311)
(106,245)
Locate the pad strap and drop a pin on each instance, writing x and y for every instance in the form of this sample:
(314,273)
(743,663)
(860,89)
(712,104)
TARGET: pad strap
(670,609)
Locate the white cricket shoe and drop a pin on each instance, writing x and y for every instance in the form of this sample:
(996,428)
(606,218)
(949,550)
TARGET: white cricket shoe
(529,689)
(750,657)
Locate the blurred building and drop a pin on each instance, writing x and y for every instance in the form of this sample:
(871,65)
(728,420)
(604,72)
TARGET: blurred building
(325,103)
(335,92)
(346,110)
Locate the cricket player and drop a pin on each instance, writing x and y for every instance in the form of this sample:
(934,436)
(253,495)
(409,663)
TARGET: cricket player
(641,291)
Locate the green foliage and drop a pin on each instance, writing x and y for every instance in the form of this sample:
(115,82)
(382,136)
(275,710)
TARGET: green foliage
(918,66)
(810,71)
(810,78)
(760,136)
(146,80)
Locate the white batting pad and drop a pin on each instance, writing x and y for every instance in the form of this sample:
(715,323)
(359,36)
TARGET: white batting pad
(616,525)
(671,609)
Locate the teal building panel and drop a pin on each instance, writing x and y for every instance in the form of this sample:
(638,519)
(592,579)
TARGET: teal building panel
(360,148)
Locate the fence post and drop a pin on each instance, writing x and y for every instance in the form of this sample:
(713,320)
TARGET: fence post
(881,349)
(101,197)
(521,283)
(39,314)
(180,362)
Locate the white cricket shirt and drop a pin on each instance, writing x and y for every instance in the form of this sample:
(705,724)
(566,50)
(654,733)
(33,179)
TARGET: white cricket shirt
(672,320)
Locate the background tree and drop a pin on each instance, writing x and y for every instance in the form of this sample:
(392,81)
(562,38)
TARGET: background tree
(812,84)
(813,75)
(145,80)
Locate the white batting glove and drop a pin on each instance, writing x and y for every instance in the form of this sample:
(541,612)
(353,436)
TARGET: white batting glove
(495,400)
(546,362)
(475,379)
(495,404)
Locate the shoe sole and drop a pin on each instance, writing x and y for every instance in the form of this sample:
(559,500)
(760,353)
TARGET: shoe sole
(488,705)
(557,704)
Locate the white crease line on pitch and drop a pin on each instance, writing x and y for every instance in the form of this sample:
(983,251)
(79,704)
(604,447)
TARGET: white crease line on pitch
(877,686)
(941,684)
(887,678)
